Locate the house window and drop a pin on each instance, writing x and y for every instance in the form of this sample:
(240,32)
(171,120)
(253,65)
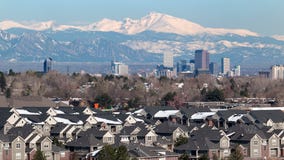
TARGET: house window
(255,142)
(245,152)
(273,142)
(18,145)
(62,154)
(46,145)
(18,156)
(149,138)
(109,139)
(224,143)
(255,151)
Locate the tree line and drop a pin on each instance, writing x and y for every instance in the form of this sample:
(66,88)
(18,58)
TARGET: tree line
(134,91)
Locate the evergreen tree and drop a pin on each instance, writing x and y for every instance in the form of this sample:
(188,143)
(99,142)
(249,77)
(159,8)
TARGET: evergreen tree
(8,93)
(2,82)
(107,153)
(215,95)
(168,97)
(183,157)
(39,155)
(203,157)
(215,157)
(236,154)
(104,100)
(181,140)
(121,153)
(110,153)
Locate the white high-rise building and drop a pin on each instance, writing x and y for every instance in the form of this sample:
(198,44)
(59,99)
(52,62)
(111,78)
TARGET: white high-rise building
(168,60)
(225,65)
(237,71)
(277,72)
(118,68)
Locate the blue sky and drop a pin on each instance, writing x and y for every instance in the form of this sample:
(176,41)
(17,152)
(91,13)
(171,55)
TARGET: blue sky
(262,16)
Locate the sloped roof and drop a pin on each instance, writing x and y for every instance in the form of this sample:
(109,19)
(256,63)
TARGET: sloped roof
(225,114)
(277,116)
(21,131)
(94,131)
(148,151)
(5,114)
(197,143)
(242,132)
(211,134)
(189,111)
(57,128)
(85,141)
(152,110)
(168,127)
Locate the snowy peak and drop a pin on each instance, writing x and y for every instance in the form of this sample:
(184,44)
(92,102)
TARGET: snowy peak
(157,22)
(278,37)
(106,25)
(40,26)
(165,23)
(4,25)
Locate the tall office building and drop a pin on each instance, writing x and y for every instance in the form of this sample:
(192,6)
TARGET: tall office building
(213,68)
(119,69)
(168,60)
(182,66)
(201,60)
(277,72)
(225,65)
(47,65)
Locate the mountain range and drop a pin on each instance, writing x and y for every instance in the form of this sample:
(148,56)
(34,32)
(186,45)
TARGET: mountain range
(136,41)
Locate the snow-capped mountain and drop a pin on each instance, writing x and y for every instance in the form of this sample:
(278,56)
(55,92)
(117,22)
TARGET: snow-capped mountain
(152,22)
(278,37)
(141,40)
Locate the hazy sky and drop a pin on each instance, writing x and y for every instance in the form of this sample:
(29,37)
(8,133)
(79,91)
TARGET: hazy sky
(262,16)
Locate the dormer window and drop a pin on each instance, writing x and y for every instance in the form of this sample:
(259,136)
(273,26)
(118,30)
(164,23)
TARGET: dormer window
(46,145)
(273,141)
(18,145)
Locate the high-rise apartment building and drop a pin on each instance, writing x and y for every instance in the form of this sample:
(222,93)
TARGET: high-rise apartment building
(201,60)
(47,65)
(277,72)
(168,60)
(118,68)
(225,65)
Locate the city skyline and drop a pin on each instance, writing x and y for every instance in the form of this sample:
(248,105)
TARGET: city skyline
(265,15)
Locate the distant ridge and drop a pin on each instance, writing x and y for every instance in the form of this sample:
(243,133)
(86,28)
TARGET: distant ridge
(154,21)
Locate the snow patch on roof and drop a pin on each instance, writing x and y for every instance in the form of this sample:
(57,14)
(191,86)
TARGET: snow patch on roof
(165,114)
(66,121)
(267,108)
(26,112)
(58,111)
(107,121)
(139,111)
(28,121)
(201,115)
(235,117)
